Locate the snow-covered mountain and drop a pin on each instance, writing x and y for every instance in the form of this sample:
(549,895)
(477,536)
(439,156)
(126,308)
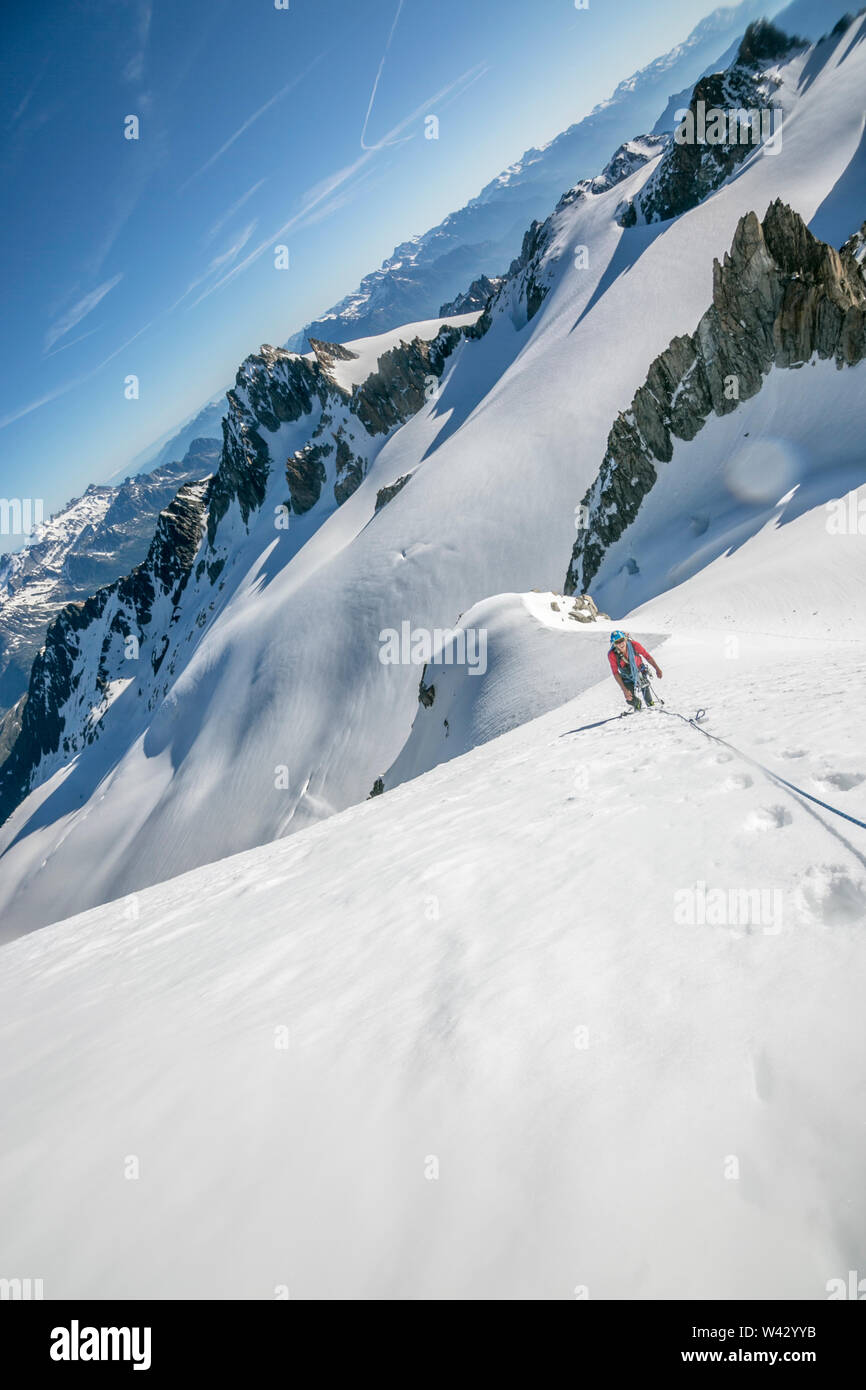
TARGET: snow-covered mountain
(426,273)
(575,1015)
(91,541)
(484,236)
(423,479)
(328,414)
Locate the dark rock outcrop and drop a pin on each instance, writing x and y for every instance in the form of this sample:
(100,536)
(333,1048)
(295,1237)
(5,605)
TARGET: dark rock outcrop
(10,727)
(305,474)
(426,693)
(693,166)
(397,389)
(526,265)
(384,495)
(478,296)
(624,162)
(779,297)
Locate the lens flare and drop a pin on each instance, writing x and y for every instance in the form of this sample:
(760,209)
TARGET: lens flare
(762,470)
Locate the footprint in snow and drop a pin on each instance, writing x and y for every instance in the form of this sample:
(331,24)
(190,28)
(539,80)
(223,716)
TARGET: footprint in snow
(794,752)
(737,782)
(843,781)
(768,818)
(830,895)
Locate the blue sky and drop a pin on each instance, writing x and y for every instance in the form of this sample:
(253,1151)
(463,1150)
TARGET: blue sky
(257,126)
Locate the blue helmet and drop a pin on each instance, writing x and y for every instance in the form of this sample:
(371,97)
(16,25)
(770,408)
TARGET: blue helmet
(616,636)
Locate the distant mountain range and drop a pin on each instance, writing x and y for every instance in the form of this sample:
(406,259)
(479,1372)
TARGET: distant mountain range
(429,271)
(91,541)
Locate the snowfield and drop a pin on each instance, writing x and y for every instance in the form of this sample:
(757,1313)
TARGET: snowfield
(463,1041)
(366,352)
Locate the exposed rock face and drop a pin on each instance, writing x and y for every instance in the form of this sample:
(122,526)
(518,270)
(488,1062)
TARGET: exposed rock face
(584,609)
(305,474)
(385,400)
(349,483)
(693,165)
(478,296)
(329,353)
(525,268)
(779,297)
(384,495)
(350,470)
(396,389)
(10,727)
(378,788)
(763,42)
(426,693)
(243,470)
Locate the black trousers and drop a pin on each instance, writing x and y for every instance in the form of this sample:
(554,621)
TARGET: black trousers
(629,685)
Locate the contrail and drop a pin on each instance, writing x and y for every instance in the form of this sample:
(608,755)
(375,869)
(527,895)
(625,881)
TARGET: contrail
(382,143)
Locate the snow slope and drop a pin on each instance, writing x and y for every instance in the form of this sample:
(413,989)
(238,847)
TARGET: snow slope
(427,270)
(461,1041)
(366,352)
(289,674)
(535,658)
(787,453)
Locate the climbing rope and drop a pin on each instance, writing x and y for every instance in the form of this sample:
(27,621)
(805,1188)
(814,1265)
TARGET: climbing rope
(695,724)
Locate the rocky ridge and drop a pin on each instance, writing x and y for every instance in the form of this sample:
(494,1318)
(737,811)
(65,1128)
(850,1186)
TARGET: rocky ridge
(780,296)
(693,166)
(140,630)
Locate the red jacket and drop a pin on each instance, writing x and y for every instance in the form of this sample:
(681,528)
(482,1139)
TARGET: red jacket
(621,663)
